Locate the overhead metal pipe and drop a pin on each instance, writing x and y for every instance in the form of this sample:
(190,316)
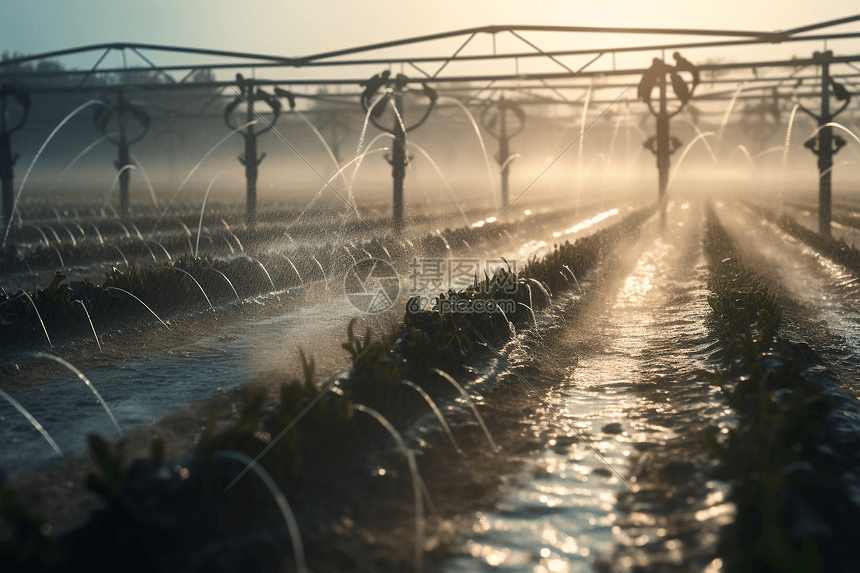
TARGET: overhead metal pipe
(279,62)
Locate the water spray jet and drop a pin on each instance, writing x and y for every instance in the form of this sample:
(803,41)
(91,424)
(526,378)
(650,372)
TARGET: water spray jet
(280,500)
(436,411)
(471,404)
(195,282)
(417,483)
(86,381)
(92,326)
(39,315)
(36,158)
(141,302)
(33,421)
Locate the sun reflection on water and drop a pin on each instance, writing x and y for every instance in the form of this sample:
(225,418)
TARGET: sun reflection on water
(566,512)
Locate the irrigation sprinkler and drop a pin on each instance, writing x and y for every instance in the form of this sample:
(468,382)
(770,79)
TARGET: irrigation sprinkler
(495,120)
(763,120)
(663,145)
(24,97)
(249,93)
(394,90)
(291,98)
(102,119)
(824,143)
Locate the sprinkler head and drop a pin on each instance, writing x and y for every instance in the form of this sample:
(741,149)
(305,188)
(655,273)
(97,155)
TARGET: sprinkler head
(287,94)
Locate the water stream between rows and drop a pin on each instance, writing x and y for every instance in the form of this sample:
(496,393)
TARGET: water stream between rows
(621,479)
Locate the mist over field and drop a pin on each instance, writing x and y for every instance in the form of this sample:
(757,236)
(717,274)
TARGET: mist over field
(381,287)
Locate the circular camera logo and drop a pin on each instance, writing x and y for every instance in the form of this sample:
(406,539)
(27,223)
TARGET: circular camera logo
(372,285)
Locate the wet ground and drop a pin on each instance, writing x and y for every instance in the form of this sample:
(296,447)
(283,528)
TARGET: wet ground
(821,299)
(824,296)
(807,215)
(142,384)
(619,478)
(599,411)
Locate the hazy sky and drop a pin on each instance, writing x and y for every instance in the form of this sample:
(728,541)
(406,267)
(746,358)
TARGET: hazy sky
(301,28)
(292,28)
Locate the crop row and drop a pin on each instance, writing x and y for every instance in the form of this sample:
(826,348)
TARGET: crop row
(76,228)
(791,502)
(219,239)
(65,310)
(194,283)
(836,249)
(214,242)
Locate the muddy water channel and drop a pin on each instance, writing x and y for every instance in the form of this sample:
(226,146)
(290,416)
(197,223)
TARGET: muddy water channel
(621,478)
